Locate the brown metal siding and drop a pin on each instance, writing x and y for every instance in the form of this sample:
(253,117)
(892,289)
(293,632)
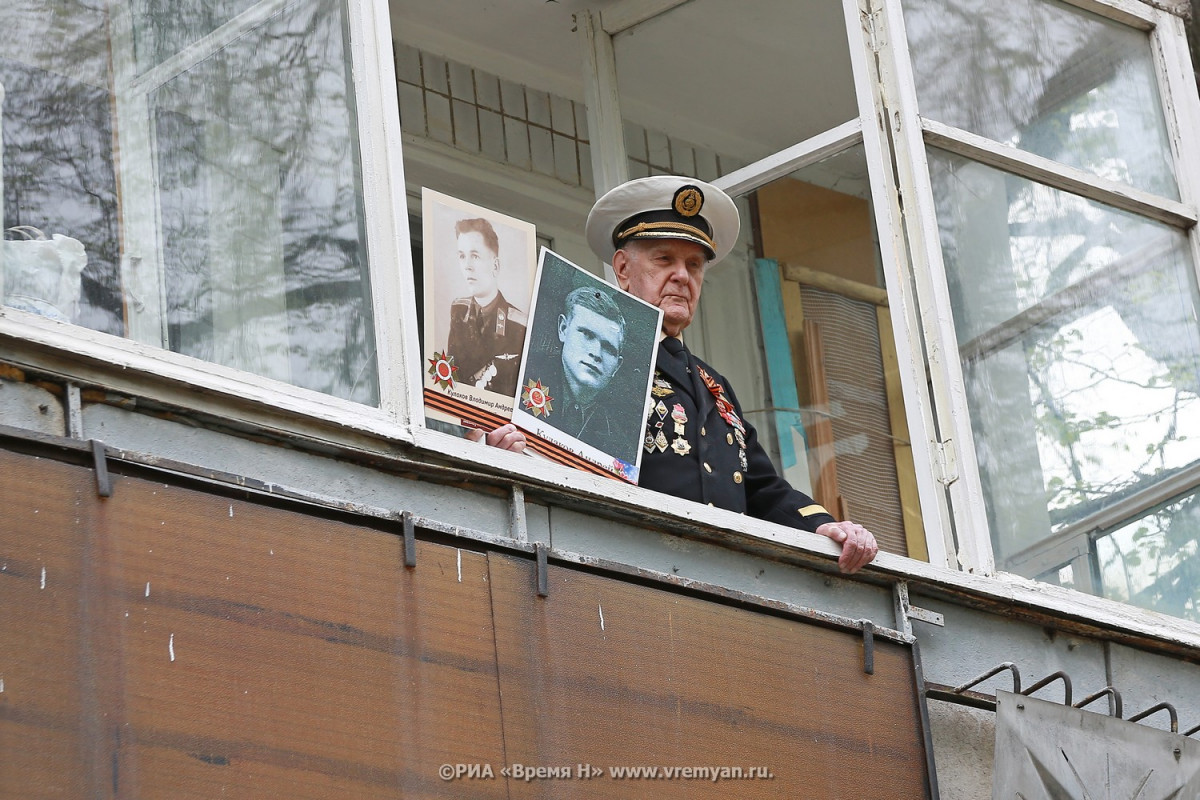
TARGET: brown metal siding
(280,654)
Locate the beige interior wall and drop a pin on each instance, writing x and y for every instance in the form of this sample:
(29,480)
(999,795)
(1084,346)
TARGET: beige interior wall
(818,228)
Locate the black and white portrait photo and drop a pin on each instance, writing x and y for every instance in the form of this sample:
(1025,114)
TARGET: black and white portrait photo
(478,273)
(587,366)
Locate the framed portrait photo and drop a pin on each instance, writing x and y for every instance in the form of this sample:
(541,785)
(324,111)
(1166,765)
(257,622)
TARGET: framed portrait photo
(587,369)
(479,267)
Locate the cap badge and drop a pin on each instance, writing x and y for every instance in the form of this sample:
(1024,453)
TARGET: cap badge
(688,201)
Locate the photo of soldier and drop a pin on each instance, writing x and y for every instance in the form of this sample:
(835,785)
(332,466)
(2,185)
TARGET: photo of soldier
(591,332)
(486,331)
(590,348)
(477,284)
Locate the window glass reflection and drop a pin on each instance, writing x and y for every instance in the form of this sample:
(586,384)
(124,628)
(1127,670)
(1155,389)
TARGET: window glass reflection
(1080,346)
(215,209)
(1154,562)
(59,177)
(1047,78)
(260,213)
(162,30)
(835,395)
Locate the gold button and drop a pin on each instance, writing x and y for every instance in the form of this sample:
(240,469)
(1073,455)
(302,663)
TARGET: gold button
(703,432)
(737,477)
(710,504)
(707,468)
(729,438)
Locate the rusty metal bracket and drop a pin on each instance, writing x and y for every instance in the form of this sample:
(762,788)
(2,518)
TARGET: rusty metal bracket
(1053,676)
(868,632)
(1007,665)
(1109,690)
(906,611)
(410,541)
(543,580)
(517,523)
(1170,709)
(100,457)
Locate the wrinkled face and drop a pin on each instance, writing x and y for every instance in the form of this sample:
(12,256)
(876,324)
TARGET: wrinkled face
(591,349)
(667,273)
(479,266)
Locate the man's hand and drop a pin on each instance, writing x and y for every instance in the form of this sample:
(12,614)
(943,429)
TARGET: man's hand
(858,544)
(506,437)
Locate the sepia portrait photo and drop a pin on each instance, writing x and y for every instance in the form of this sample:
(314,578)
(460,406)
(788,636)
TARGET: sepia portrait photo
(478,272)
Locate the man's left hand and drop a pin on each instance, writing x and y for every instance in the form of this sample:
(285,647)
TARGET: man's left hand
(858,544)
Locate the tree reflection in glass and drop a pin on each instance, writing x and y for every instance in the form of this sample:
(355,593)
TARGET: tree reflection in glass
(1046,78)
(1080,345)
(57,151)
(204,155)
(261,220)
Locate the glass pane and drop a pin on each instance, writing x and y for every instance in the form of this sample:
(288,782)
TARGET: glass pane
(218,213)
(59,176)
(685,77)
(1080,346)
(161,30)
(1046,78)
(1153,562)
(261,216)
(835,404)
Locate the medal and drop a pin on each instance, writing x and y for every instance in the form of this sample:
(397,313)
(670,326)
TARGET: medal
(660,441)
(680,417)
(442,369)
(662,388)
(724,407)
(536,398)
(681,446)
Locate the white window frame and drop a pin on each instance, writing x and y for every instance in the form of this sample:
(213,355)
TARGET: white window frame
(913,135)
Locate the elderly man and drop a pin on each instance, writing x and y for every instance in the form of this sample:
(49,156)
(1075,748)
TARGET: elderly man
(661,234)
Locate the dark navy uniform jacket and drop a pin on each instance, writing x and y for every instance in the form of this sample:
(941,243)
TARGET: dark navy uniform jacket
(486,343)
(719,461)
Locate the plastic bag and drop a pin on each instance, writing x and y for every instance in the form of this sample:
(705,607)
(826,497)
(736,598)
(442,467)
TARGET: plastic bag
(42,275)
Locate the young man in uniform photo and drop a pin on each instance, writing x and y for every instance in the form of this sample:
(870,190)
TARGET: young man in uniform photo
(579,372)
(487,332)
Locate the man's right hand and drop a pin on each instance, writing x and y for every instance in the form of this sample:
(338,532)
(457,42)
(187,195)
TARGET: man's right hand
(506,437)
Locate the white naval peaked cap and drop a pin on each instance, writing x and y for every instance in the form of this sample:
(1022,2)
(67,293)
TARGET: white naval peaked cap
(664,207)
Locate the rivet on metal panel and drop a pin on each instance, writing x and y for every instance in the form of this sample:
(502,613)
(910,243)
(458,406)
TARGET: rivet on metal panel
(410,541)
(868,630)
(543,581)
(99,456)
